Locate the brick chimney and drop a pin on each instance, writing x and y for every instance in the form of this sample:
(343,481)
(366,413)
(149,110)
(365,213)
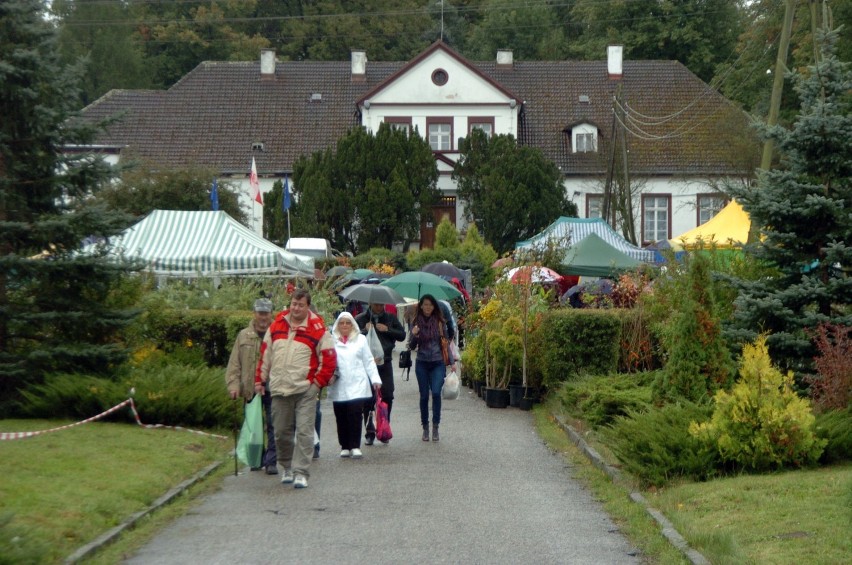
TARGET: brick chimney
(614,54)
(359,65)
(505,59)
(267,64)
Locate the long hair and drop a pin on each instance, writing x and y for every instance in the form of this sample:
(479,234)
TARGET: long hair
(432,325)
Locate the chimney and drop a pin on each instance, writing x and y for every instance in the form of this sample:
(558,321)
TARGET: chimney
(267,64)
(504,59)
(359,65)
(613,61)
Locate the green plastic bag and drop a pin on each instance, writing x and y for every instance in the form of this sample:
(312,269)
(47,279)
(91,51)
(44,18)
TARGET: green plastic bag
(250,444)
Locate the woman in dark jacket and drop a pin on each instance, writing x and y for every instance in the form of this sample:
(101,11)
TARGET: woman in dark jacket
(426,332)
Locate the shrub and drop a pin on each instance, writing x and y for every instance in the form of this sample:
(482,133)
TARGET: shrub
(832,386)
(762,423)
(165,393)
(699,362)
(599,400)
(656,446)
(835,427)
(580,341)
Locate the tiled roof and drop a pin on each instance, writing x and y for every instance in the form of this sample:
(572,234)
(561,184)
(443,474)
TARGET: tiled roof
(214,114)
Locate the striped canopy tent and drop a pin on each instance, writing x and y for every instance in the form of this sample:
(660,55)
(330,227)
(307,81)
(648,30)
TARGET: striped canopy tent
(181,243)
(578,229)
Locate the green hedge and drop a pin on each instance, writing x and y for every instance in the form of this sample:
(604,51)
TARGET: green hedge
(203,335)
(580,341)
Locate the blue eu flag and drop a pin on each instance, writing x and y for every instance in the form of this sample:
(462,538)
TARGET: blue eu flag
(285,204)
(214,195)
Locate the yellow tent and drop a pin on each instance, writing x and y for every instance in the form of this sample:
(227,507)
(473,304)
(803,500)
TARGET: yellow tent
(726,229)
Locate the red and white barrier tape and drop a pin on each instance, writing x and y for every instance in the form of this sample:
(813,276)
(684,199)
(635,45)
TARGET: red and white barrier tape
(24,435)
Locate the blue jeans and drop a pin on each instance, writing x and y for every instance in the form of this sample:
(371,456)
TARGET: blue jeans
(430,379)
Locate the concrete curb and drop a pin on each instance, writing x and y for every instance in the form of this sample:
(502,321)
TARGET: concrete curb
(666,527)
(110,535)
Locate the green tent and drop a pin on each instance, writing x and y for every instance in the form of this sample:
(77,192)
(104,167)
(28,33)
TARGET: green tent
(594,257)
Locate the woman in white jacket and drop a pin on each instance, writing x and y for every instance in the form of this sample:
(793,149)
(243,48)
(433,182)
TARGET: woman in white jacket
(351,387)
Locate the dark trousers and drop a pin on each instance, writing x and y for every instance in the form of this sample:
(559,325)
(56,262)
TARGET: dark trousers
(348,417)
(270,457)
(386,374)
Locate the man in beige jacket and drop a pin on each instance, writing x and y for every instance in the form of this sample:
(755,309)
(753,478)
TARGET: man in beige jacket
(239,376)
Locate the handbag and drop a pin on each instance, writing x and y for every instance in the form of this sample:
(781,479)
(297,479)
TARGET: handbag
(445,348)
(451,386)
(383,428)
(405,362)
(376,346)
(250,444)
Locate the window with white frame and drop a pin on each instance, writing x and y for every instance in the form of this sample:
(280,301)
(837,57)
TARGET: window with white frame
(594,205)
(709,205)
(487,126)
(584,138)
(656,224)
(400,123)
(440,135)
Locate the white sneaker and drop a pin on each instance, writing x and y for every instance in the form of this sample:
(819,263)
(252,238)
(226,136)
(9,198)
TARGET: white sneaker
(356,453)
(286,476)
(301,481)
(345,453)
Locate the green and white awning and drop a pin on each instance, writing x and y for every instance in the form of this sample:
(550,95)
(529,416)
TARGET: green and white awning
(180,243)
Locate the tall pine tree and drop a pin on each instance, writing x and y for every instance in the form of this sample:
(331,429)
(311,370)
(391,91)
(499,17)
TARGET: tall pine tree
(804,212)
(54,301)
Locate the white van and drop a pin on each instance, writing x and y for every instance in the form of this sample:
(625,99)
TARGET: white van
(311,246)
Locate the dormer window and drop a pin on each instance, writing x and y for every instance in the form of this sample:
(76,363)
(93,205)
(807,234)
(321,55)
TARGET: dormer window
(584,138)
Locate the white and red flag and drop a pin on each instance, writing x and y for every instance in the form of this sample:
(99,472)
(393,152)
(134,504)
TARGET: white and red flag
(255,185)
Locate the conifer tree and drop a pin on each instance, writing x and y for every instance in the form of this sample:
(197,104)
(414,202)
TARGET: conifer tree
(57,308)
(804,213)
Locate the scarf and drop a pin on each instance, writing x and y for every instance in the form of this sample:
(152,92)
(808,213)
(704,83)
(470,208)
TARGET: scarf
(428,327)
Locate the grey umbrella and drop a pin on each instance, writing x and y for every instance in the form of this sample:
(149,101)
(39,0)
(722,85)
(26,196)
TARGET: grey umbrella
(372,294)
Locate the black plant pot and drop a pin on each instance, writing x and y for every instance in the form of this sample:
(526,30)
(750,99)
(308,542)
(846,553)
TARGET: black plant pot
(477,387)
(496,397)
(516,392)
(526,403)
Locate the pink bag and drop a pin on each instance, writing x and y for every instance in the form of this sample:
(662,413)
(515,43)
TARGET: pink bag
(383,428)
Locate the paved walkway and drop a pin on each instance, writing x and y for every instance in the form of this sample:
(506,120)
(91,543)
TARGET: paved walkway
(488,492)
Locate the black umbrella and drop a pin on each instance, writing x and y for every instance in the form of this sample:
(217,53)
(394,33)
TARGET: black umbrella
(372,294)
(337,271)
(443,269)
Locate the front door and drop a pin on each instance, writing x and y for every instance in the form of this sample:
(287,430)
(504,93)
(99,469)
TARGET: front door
(446,208)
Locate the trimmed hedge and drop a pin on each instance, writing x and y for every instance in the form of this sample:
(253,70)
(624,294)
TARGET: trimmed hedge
(581,341)
(211,333)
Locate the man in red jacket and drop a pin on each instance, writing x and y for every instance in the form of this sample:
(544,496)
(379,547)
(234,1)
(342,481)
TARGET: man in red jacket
(297,359)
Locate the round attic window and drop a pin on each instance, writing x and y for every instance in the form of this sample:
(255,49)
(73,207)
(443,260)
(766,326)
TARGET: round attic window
(440,77)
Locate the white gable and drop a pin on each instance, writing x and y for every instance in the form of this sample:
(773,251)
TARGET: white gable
(416,86)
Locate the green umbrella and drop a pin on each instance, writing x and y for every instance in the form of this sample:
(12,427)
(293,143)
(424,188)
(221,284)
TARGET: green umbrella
(414,284)
(359,274)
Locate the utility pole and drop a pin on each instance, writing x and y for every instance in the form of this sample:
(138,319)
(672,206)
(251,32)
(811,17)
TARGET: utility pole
(607,208)
(778,80)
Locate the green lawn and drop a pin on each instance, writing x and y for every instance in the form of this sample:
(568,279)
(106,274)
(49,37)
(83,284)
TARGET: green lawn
(63,489)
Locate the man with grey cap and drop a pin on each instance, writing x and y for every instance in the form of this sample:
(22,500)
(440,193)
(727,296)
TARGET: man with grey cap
(239,376)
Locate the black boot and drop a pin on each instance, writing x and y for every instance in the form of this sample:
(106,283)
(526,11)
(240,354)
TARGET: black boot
(425,433)
(435,436)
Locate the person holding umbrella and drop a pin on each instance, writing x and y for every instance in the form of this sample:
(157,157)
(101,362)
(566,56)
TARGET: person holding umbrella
(426,333)
(389,331)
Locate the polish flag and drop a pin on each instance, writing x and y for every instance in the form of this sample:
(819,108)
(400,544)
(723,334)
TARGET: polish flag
(255,185)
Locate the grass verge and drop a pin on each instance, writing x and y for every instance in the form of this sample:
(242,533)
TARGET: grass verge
(108,471)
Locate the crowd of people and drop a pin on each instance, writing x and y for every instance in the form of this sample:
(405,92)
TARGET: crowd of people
(290,358)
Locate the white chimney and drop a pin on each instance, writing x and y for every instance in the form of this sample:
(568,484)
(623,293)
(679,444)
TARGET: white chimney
(267,63)
(614,55)
(504,59)
(359,65)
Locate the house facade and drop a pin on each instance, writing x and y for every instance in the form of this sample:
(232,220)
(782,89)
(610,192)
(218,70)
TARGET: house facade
(675,136)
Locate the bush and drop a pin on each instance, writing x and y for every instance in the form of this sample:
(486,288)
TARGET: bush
(656,446)
(165,393)
(599,400)
(580,341)
(761,424)
(196,336)
(832,386)
(835,427)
